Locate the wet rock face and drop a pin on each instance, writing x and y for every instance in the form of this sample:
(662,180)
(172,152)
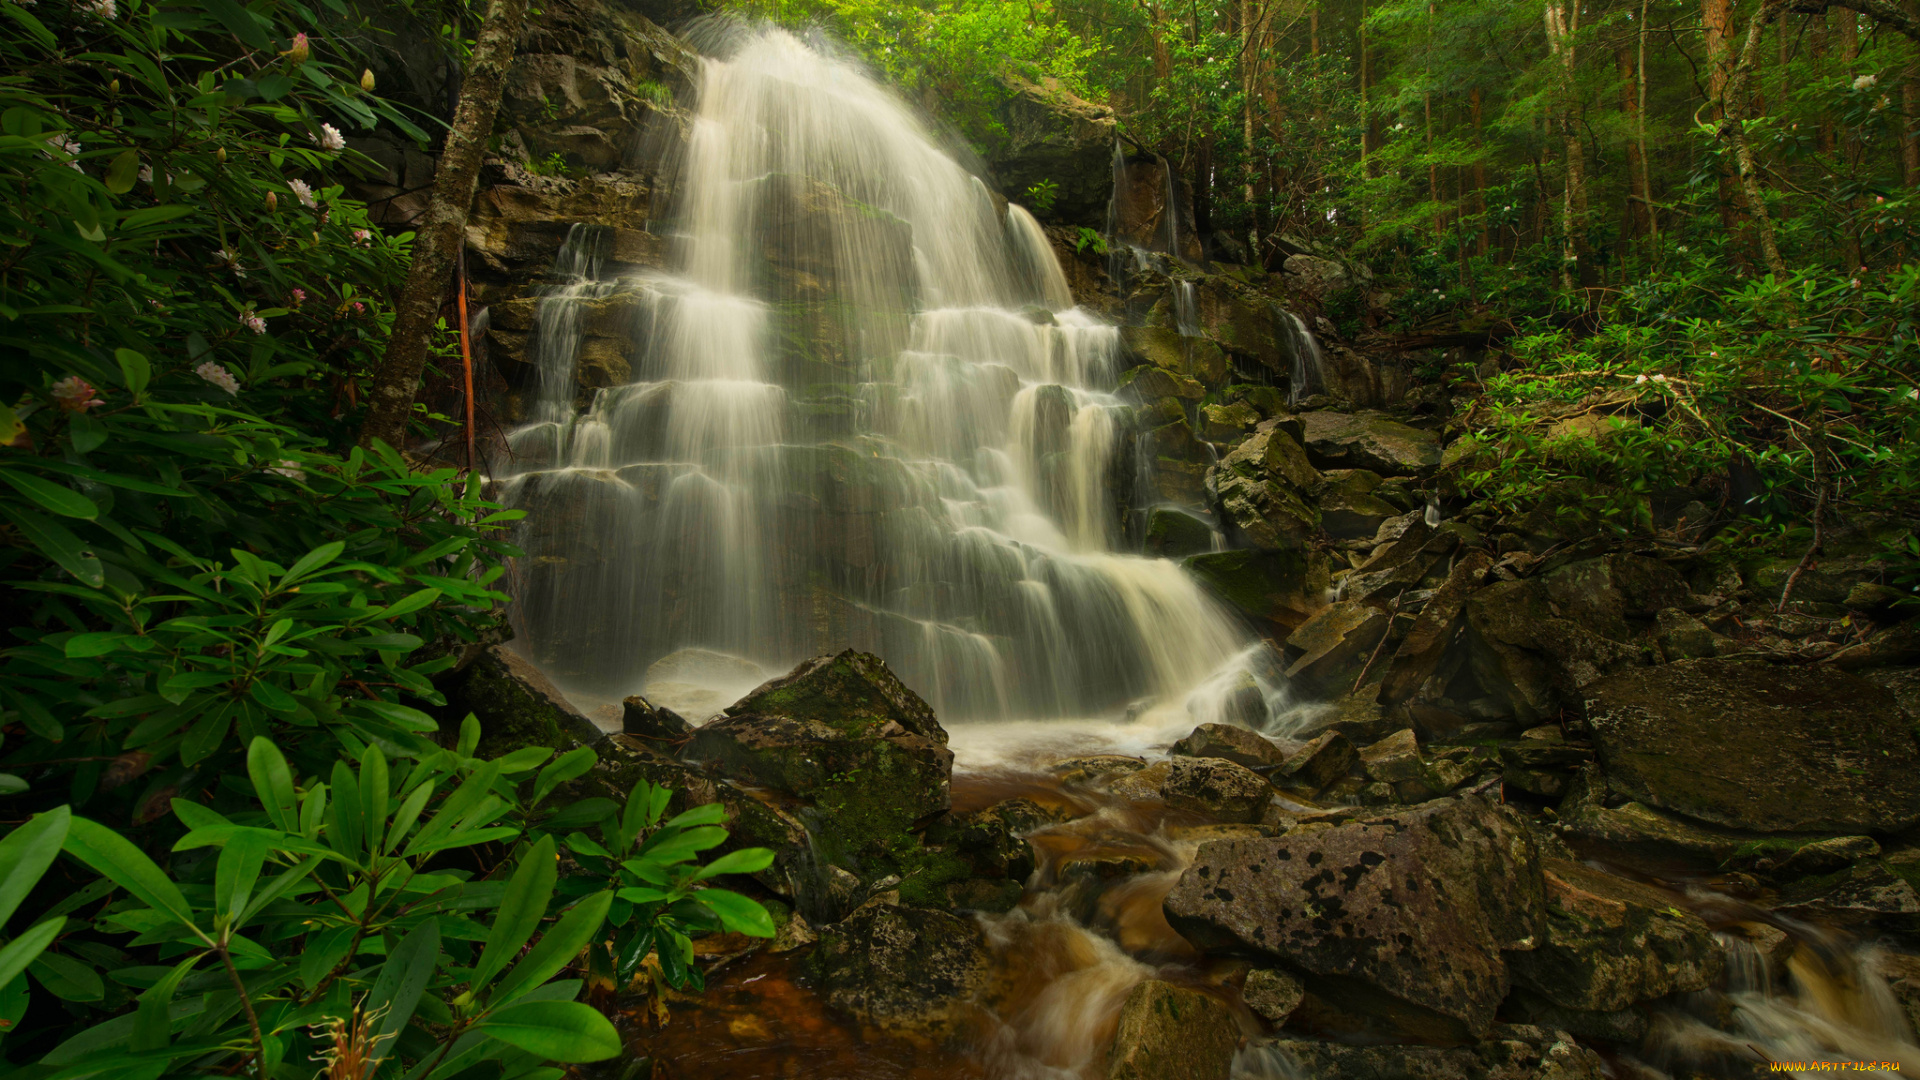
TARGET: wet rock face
(909,971)
(1757,746)
(1611,943)
(1052,135)
(1405,915)
(1235,744)
(1220,789)
(1169,1032)
(1282,588)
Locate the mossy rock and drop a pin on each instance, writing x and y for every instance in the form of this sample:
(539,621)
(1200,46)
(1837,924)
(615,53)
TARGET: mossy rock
(516,704)
(852,692)
(1283,588)
(1175,534)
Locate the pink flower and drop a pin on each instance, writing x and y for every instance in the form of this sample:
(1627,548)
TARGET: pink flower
(299,297)
(253,322)
(362,236)
(300,50)
(359,308)
(219,377)
(75,394)
(329,138)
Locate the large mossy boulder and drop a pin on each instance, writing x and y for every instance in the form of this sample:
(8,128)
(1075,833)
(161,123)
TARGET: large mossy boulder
(1758,746)
(516,704)
(1405,916)
(862,754)
(1051,136)
(909,971)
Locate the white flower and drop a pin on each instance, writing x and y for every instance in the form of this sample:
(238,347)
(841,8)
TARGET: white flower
(1682,249)
(302,192)
(289,469)
(232,262)
(1638,379)
(1865,81)
(362,237)
(329,138)
(146,174)
(69,147)
(99,9)
(253,322)
(1659,378)
(219,377)
(1854,284)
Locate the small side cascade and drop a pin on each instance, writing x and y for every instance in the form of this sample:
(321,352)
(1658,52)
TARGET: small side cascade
(1307,370)
(1186,308)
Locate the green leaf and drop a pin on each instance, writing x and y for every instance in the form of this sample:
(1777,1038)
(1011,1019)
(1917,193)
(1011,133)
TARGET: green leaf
(25,854)
(345,828)
(736,912)
(66,978)
(712,813)
(23,950)
(322,952)
(312,561)
(240,23)
(556,948)
(58,544)
(555,1030)
(745,861)
(667,848)
(374,786)
(521,760)
(406,605)
(403,978)
(61,500)
(273,782)
(83,646)
(113,857)
(122,173)
(236,871)
(153,1023)
(520,912)
(570,765)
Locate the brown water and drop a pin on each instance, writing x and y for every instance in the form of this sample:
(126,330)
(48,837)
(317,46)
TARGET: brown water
(1090,928)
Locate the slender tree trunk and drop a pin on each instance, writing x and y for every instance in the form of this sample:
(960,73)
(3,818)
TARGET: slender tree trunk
(1633,222)
(1910,111)
(1716,19)
(1479,175)
(1640,135)
(1563,22)
(1249,86)
(442,228)
(1734,129)
(1366,111)
(1849,54)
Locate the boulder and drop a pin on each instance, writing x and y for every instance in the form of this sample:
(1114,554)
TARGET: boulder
(1349,509)
(1407,915)
(1864,895)
(1235,744)
(1272,994)
(1330,756)
(910,971)
(990,839)
(1330,650)
(1228,423)
(1173,533)
(1282,589)
(1336,440)
(516,704)
(1153,383)
(1514,1052)
(643,719)
(841,735)
(1530,661)
(1436,627)
(1395,761)
(1639,835)
(1743,745)
(1217,788)
(1170,1032)
(1612,943)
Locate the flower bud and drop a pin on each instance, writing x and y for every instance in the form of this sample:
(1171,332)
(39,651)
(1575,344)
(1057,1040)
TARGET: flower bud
(366,80)
(300,50)
(220,155)
(273,202)
(113,87)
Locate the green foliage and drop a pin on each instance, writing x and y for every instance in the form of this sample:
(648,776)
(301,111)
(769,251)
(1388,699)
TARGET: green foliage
(1088,238)
(1041,195)
(661,899)
(654,93)
(294,922)
(553,164)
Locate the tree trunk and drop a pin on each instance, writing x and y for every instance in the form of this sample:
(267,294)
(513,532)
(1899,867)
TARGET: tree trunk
(1850,157)
(1366,113)
(1640,135)
(1563,22)
(1633,223)
(1479,175)
(442,228)
(1716,18)
(1734,129)
(1910,112)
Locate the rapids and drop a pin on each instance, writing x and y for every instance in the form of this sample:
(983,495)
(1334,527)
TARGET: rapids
(865,413)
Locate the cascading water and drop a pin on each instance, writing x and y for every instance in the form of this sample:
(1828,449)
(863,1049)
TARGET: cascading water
(863,412)
(1307,372)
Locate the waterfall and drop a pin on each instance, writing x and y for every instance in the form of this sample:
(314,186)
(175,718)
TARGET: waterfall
(1307,371)
(1186,309)
(862,412)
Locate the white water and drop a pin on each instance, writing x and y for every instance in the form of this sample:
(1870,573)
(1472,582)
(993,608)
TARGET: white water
(863,413)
